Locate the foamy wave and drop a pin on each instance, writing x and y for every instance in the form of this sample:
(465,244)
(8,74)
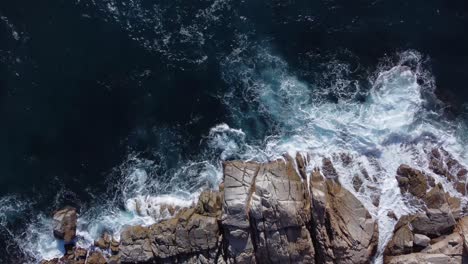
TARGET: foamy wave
(393,126)
(367,141)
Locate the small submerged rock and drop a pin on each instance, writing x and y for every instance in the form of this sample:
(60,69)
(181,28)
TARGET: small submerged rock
(392,215)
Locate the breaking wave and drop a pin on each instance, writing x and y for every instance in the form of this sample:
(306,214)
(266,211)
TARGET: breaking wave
(390,119)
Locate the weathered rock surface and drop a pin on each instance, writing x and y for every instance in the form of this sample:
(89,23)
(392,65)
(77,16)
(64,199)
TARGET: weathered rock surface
(266,213)
(271,216)
(412,181)
(421,240)
(65,224)
(135,244)
(445,249)
(432,235)
(263,213)
(75,255)
(192,236)
(403,239)
(104,242)
(96,258)
(343,229)
(442,163)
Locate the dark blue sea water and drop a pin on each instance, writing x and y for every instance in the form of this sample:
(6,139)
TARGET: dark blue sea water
(87,84)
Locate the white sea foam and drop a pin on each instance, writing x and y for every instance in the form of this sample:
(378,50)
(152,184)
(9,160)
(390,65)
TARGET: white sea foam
(392,126)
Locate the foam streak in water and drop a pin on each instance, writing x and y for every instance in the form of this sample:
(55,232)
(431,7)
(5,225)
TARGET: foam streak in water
(392,126)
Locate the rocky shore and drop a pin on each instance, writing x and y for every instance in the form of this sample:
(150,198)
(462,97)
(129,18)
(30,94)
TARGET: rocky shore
(276,212)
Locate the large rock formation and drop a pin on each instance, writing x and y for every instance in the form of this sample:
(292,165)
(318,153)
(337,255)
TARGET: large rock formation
(343,229)
(433,234)
(264,213)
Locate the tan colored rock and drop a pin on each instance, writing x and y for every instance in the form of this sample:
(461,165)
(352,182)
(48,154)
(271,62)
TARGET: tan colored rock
(191,236)
(115,259)
(442,163)
(462,229)
(412,181)
(114,246)
(135,244)
(450,245)
(186,236)
(344,230)
(239,178)
(402,241)
(438,218)
(210,203)
(266,205)
(448,249)
(262,215)
(65,224)
(279,213)
(74,255)
(80,255)
(440,210)
(104,241)
(96,258)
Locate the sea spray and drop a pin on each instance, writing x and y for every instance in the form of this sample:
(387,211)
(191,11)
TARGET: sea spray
(392,126)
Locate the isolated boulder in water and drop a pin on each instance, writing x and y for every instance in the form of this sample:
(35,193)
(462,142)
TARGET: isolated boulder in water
(65,224)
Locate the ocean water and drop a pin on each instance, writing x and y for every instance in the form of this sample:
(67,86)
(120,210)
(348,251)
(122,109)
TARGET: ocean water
(122,107)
